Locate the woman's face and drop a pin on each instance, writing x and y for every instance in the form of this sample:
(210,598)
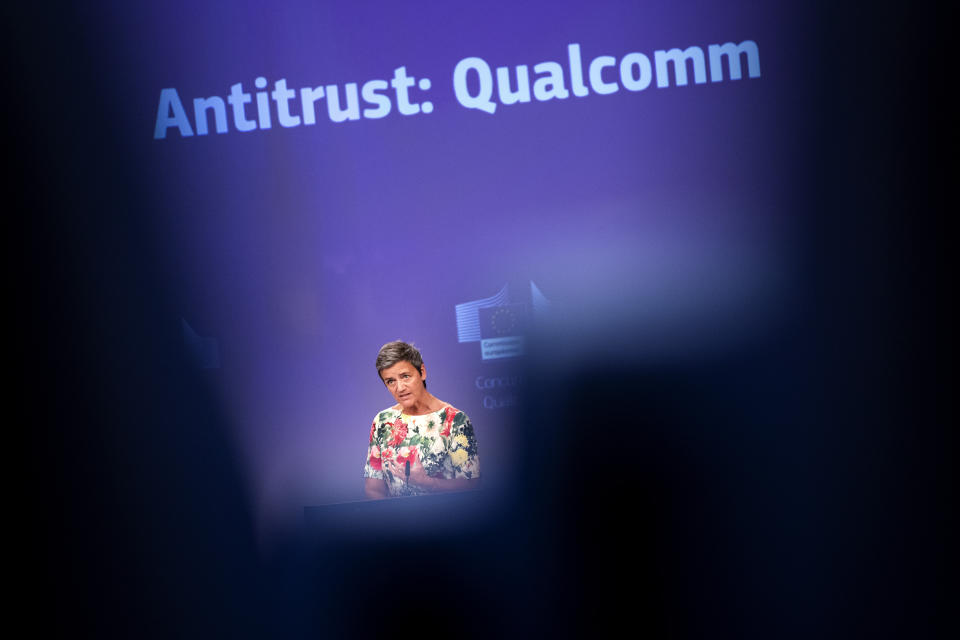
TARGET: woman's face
(405,383)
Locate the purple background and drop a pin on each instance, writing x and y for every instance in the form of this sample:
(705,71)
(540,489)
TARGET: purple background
(302,250)
(744,344)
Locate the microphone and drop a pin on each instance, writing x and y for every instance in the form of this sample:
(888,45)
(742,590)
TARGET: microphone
(406,469)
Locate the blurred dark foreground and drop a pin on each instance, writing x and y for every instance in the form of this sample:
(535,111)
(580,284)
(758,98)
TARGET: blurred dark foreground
(797,486)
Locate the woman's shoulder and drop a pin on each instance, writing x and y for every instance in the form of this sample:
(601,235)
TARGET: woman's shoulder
(449,408)
(388,415)
(447,412)
(452,414)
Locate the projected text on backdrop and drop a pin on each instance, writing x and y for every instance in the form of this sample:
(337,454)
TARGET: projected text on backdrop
(476,86)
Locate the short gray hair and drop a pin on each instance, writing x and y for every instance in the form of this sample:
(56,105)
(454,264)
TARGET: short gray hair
(398,351)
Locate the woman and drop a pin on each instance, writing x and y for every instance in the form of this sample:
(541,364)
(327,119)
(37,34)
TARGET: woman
(421,444)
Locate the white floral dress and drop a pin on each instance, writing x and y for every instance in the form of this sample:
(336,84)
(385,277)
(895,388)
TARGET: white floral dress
(443,442)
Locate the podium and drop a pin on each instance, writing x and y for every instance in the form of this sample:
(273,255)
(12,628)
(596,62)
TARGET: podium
(441,514)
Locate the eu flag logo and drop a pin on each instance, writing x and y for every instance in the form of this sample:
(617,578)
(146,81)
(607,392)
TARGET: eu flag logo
(497,323)
(505,320)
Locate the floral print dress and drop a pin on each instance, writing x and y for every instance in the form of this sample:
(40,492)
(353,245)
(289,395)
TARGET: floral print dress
(443,442)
